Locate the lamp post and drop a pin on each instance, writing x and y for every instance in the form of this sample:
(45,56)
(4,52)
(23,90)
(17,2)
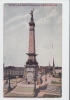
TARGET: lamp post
(16,80)
(45,76)
(6,80)
(35,83)
(9,87)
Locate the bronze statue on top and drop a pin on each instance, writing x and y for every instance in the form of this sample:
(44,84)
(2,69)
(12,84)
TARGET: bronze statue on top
(32,14)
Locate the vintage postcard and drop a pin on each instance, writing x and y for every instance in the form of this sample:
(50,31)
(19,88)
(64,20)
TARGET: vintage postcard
(32,58)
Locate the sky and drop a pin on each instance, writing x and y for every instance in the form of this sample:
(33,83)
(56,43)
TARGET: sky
(48,34)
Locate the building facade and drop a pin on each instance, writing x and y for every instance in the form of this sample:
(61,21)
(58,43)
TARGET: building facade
(14,71)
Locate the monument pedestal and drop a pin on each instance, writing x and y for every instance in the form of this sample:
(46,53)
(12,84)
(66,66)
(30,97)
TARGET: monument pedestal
(30,70)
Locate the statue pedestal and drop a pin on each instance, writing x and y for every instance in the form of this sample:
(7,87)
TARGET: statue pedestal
(30,70)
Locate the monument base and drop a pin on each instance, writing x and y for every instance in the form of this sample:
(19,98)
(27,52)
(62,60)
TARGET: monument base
(31,71)
(9,88)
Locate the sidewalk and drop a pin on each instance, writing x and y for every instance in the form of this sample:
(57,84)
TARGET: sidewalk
(40,94)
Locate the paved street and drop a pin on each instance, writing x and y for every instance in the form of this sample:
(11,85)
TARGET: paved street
(25,88)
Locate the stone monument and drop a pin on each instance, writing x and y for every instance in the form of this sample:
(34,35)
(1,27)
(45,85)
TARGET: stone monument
(31,64)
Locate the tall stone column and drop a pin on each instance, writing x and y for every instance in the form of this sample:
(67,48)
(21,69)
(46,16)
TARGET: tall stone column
(31,63)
